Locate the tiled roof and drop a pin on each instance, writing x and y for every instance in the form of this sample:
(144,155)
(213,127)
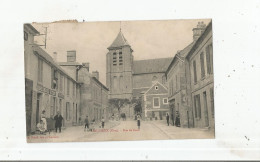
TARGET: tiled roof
(101,84)
(32,28)
(181,55)
(137,92)
(39,51)
(119,41)
(151,66)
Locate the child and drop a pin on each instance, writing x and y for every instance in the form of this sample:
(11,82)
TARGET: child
(103,122)
(41,127)
(86,124)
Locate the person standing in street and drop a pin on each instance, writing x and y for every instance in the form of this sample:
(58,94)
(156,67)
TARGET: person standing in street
(138,121)
(103,122)
(177,120)
(167,118)
(86,124)
(58,121)
(43,118)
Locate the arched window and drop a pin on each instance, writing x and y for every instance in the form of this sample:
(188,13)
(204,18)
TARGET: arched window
(154,78)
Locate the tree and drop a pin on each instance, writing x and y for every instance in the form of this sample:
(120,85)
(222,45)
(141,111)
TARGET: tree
(137,105)
(118,103)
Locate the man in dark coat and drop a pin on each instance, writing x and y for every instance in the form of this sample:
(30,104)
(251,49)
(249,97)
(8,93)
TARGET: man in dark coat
(167,118)
(58,121)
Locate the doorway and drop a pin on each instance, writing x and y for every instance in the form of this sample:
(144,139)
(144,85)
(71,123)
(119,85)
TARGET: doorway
(76,113)
(172,110)
(205,109)
(38,107)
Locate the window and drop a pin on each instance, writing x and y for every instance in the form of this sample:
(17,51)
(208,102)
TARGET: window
(197,106)
(212,101)
(176,83)
(156,88)
(154,78)
(165,101)
(73,91)
(61,82)
(114,59)
(25,36)
(68,86)
(40,70)
(120,58)
(202,65)
(53,106)
(156,102)
(54,78)
(115,84)
(208,59)
(194,72)
(211,57)
(67,110)
(121,83)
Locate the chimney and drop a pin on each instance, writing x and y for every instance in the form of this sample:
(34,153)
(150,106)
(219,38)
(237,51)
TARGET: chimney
(55,56)
(71,56)
(95,74)
(86,65)
(198,30)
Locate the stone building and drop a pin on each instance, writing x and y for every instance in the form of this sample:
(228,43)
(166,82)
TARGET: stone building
(200,59)
(93,94)
(187,81)
(47,86)
(155,102)
(126,77)
(178,89)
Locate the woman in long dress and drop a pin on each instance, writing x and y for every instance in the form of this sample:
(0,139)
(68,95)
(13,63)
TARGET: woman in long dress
(43,118)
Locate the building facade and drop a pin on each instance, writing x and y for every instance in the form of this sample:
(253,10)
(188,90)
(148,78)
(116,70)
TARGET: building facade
(93,95)
(200,60)
(179,89)
(48,87)
(155,102)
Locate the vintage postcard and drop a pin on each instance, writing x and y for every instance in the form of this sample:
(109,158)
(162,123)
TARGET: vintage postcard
(119,81)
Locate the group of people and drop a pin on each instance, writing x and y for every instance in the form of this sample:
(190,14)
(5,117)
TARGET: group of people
(90,125)
(177,119)
(42,126)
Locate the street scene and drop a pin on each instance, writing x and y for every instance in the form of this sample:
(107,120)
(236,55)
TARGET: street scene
(119,81)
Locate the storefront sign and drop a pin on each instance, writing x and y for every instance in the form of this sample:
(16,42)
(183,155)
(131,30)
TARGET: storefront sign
(46,90)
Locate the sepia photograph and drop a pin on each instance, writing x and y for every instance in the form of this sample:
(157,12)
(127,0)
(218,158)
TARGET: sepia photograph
(119,80)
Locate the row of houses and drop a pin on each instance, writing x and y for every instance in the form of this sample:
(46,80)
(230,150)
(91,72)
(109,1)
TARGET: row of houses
(67,87)
(188,89)
(190,81)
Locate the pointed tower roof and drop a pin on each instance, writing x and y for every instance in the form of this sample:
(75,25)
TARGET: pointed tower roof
(119,41)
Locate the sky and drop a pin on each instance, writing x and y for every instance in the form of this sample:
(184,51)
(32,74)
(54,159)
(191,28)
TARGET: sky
(148,39)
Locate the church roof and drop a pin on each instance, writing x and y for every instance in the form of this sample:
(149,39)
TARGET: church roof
(137,91)
(119,41)
(151,66)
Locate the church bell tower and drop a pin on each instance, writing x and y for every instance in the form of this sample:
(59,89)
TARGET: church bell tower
(119,68)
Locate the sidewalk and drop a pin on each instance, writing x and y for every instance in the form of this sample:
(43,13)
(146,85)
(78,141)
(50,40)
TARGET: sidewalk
(69,134)
(174,132)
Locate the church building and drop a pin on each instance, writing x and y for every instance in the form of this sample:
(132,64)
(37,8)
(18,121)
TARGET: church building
(128,78)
